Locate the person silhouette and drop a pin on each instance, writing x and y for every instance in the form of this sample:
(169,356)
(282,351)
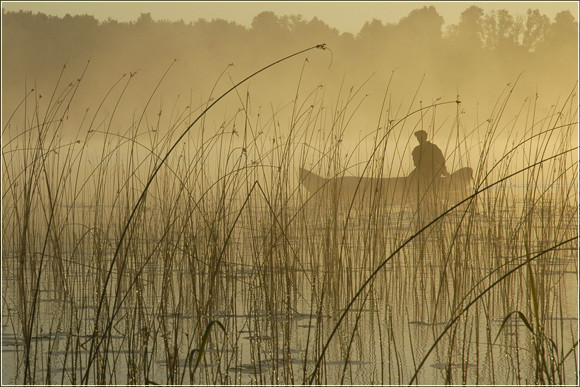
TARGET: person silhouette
(428,158)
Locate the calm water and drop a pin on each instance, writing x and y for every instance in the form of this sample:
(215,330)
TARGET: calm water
(279,286)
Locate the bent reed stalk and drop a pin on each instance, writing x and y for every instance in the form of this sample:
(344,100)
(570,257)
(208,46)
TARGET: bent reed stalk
(152,176)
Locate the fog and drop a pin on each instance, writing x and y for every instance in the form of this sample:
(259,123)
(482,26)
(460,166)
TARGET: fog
(146,200)
(159,74)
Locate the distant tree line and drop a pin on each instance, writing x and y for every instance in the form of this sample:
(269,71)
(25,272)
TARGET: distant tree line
(37,45)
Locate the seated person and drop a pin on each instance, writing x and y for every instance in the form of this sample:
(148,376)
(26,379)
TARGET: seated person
(428,158)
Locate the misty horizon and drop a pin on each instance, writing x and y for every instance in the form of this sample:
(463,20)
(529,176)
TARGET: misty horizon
(213,204)
(484,51)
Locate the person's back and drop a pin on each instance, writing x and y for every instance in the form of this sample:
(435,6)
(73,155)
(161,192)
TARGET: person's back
(428,158)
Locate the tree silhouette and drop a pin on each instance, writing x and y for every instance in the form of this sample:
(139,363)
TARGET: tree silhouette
(482,51)
(537,27)
(468,34)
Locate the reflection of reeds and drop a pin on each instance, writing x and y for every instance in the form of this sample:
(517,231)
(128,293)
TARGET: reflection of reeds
(118,261)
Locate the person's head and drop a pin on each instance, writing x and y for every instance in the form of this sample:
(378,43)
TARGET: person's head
(421,136)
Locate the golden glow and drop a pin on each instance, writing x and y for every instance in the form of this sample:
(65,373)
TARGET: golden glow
(344,16)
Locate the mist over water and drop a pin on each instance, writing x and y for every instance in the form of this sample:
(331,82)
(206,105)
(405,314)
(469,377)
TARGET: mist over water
(133,238)
(474,60)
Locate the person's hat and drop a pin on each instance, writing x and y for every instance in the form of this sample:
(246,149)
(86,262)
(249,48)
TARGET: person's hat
(421,134)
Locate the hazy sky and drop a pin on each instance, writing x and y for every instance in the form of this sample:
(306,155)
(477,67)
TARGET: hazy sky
(344,16)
